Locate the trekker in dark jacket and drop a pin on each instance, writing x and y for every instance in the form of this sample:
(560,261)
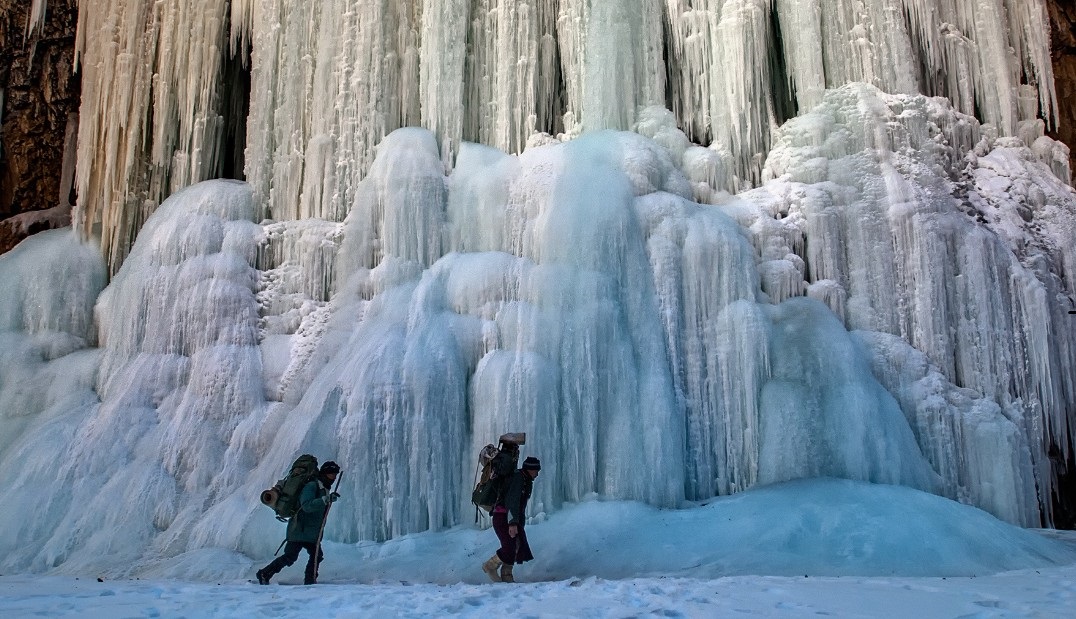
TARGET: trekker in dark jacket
(304,528)
(509,515)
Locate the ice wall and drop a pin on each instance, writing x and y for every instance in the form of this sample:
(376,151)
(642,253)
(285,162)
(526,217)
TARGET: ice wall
(888,304)
(583,322)
(330,79)
(574,292)
(135,438)
(875,208)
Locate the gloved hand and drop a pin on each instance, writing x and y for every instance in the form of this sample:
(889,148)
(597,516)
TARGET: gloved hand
(333,496)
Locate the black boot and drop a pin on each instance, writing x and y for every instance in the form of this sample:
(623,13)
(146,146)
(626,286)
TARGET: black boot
(310,577)
(270,570)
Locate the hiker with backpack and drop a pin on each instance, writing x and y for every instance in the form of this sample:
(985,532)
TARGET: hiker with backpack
(307,522)
(509,515)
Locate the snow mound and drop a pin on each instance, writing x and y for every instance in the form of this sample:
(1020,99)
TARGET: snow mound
(814,527)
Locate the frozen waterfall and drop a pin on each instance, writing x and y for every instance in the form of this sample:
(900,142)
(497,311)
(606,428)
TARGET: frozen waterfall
(330,79)
(688,247)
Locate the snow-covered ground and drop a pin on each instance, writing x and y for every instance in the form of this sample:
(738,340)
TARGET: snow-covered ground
(1025,593)
(804,548)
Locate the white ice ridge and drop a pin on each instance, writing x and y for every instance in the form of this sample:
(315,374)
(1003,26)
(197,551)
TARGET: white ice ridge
(890,306)
(330,79)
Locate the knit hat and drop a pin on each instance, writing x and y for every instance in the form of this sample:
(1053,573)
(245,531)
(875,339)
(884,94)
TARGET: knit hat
(532,464)
(330,467)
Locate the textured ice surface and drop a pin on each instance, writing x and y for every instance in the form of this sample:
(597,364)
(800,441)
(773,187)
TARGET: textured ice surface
(330,79)
(887,304)
(645,342)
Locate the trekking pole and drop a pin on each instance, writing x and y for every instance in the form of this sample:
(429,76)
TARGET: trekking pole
(321,531)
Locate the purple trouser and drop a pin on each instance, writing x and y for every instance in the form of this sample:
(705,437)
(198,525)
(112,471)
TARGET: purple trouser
(513,549)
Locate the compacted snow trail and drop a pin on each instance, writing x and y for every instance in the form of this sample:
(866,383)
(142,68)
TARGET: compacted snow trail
(1027,593)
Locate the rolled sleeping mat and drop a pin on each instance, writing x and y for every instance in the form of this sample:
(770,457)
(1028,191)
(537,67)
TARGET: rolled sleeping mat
(515,438)
(270,496)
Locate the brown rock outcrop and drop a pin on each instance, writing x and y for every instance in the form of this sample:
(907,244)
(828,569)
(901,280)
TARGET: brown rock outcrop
(1063,42)
(39,99)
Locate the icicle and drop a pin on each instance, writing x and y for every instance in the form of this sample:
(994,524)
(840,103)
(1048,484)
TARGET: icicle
(35,19)
(149,119)
(740,103)
(442,56)
(241,22)
(801,29)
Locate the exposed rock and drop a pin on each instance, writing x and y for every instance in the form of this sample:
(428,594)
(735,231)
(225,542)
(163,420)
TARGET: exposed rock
(1063,42)
(40,99)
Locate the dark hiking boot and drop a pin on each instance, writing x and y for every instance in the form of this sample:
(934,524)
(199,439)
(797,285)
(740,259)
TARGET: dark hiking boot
(263,577)
(490,568)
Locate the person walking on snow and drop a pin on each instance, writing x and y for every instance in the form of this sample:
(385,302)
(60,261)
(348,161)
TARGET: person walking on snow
(304,528)
(509,515)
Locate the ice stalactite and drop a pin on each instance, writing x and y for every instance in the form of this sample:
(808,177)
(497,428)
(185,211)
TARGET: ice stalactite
(801,32)
(621,66)
(441,63)
(501,73)
(240,22)
(741,110)
(331,79)
(990,48)
(35,18)
(149,120)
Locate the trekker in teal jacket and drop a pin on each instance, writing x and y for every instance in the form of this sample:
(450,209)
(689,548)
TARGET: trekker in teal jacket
(304,528)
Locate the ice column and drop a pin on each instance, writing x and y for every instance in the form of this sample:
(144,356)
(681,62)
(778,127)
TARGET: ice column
(441,65)
(502,72)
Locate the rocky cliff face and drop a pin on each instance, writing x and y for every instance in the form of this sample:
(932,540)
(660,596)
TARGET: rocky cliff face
(39,98)
(1063,39)
(39,93)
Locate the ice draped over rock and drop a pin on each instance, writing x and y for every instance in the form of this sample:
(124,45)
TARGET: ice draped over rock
(843,276)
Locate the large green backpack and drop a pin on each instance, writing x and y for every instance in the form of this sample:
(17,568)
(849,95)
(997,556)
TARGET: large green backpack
(283,497)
